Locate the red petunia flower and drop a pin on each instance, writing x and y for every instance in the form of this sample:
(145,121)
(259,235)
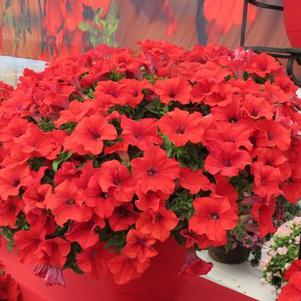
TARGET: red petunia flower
(103,204)
(292,291)
(173,89)
(11,180)
(266,180)
(9,211)
(294,267)
(227,160)
(150,200)
(35,195)
(93,261)
(109,93)
(292,186)
(89,134)
(140,246)
(213,216)
(180,127)
(83,233)
(225,188)
(75,112)
(116,180)
(236,133)
(27,242)
(262,64)
(155,171)
(53,251)
(66,203)
(41,218)
(231,112)
(17,127)
(194,266)
(157,224)
(142,133)
(133,89)
(257,107)
(272,134)
(125,269)
(9,289)
(123,217)
(194,181)
(201,241)
(262,212)
(67,172)
(5,89)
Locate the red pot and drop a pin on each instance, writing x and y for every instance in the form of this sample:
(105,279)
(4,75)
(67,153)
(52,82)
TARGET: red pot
(292,20)
(160,282)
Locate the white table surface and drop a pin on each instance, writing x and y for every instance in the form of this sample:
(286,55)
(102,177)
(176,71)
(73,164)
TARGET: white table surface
(11,68)
(242,278)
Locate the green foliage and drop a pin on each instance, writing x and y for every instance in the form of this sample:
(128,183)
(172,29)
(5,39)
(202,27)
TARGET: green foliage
(181,204)
(21,223)
(71,258)
(8,233)
(113,240)
(62,157)
(68,127)
(116,240)
(36,162)
(48,177)
(115,76)
(46,125)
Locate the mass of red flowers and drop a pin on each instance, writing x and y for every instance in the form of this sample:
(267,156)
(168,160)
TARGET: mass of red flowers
(106,155)
(9,289)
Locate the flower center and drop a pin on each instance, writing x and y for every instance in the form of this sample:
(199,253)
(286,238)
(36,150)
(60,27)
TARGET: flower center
(151,171)
(172,94)
(16,182)
(233,119)
(215,216)
(180,129)
(70,202)
(95,135)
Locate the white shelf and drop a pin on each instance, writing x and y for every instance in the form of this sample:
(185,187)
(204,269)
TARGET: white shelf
(242,278)
(12,67)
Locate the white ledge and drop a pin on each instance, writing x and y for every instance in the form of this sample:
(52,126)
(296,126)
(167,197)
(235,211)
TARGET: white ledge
(242,278)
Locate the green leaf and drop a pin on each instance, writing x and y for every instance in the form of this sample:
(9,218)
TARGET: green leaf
(116,240)
(36,162)
(21,223)
(62,157)
(68,127)
(8,233)
(46,125)
(71,258)
(85,26)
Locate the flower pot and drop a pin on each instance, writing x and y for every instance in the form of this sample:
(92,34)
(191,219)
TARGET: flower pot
(292,20)
(160,282)
(237,255)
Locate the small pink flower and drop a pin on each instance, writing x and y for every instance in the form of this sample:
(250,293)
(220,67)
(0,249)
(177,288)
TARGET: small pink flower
(52,275)
(282,250)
